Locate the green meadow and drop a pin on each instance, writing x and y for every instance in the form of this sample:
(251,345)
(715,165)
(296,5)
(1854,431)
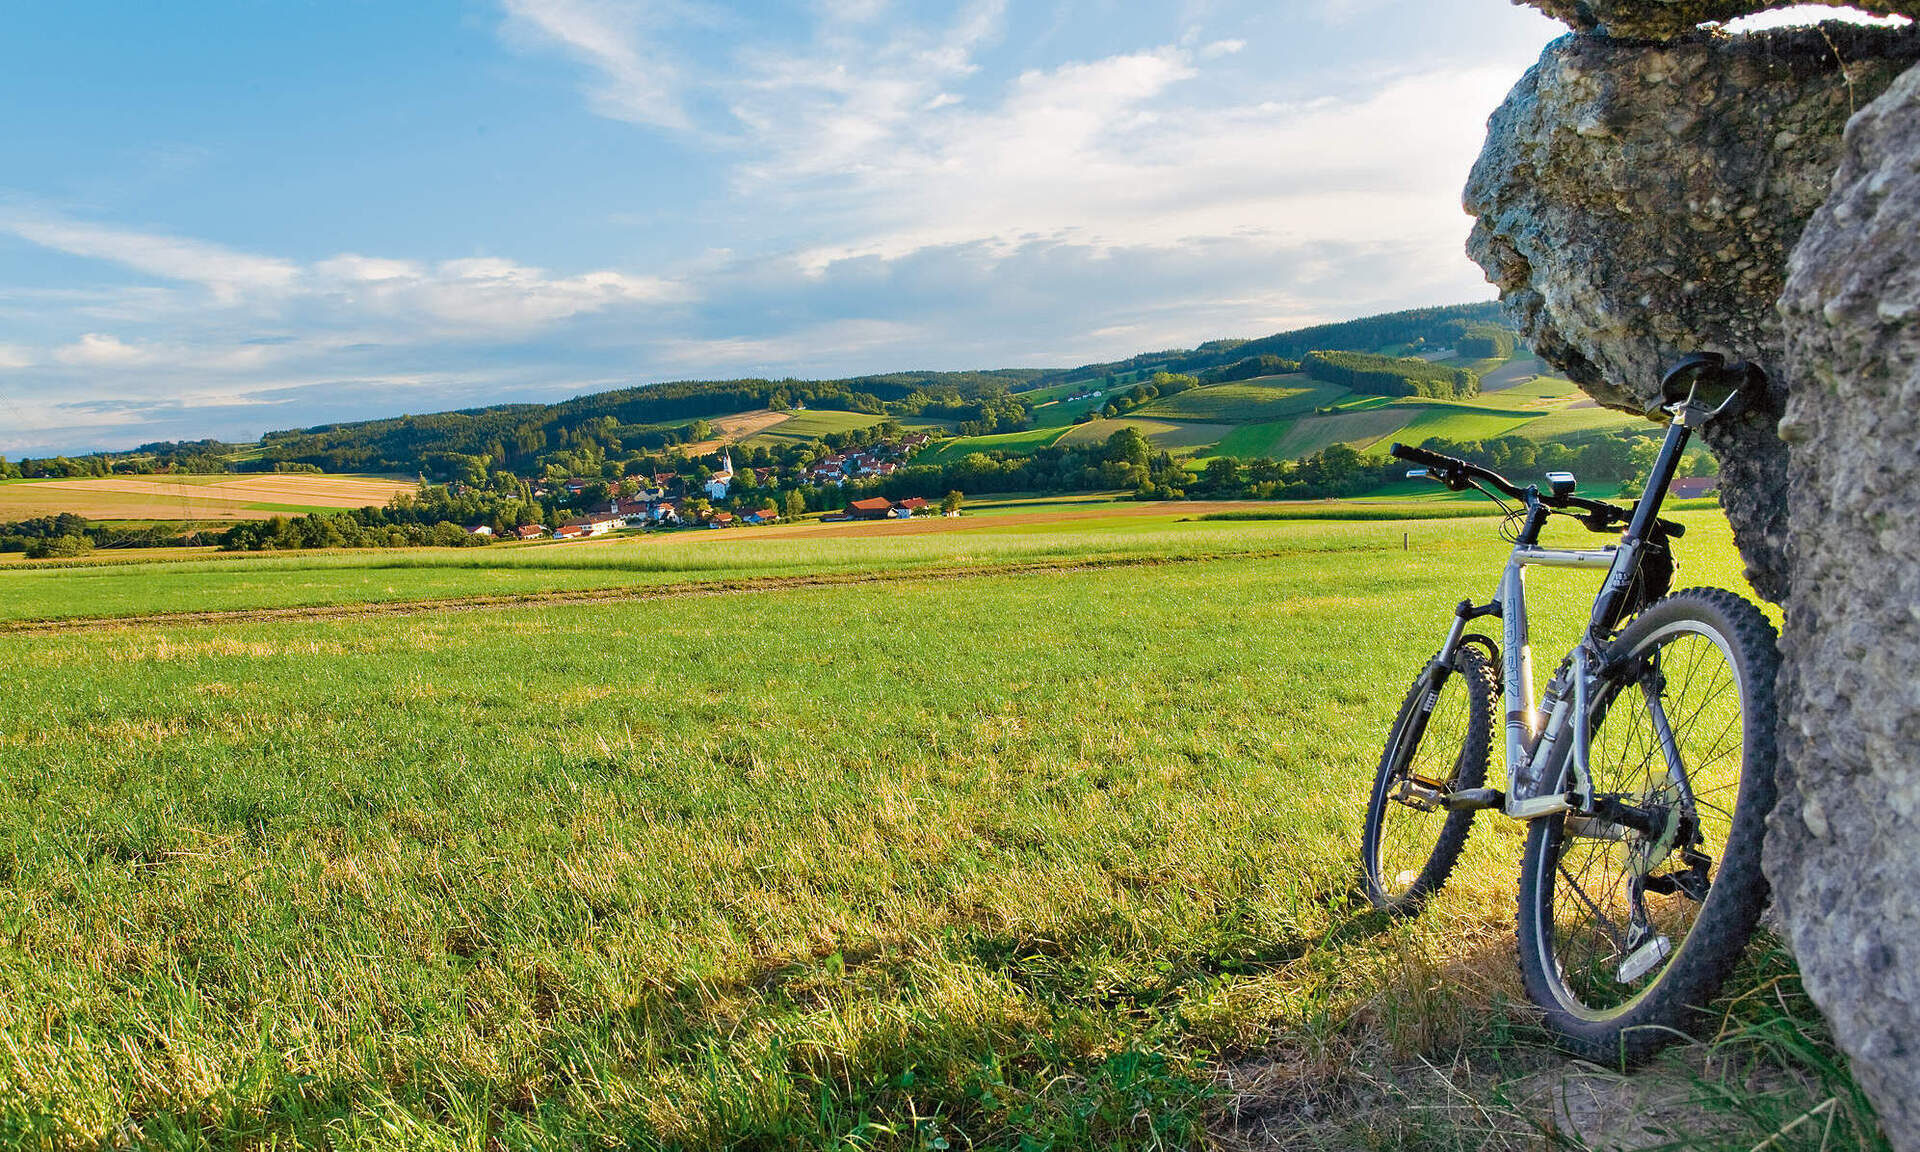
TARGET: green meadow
(966,856)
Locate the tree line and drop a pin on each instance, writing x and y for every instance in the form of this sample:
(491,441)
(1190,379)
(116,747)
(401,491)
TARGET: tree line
(1391,375)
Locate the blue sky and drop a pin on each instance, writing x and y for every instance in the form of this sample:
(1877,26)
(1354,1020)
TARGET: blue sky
(224,218)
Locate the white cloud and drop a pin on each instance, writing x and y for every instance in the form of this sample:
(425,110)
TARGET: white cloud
(97,349)
(1221,48)
(483,298)
(228,274)
(482,295)
(14,356)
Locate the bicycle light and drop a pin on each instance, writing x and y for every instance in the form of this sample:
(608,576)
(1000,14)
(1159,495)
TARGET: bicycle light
(1562,483)
(1417,473)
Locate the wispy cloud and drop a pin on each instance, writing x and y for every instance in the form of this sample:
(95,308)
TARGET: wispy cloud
(635,78)
(228,274)
(484,298)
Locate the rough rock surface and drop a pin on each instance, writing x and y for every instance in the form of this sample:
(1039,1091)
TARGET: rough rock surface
(1843,845)
(1638,201)
(1673,19)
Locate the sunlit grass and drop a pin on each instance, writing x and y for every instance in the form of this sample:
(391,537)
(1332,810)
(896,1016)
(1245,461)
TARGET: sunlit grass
(1004,859)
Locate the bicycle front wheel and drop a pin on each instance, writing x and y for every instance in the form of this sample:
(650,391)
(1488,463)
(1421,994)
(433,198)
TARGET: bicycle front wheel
(1632,915)
(1438,744)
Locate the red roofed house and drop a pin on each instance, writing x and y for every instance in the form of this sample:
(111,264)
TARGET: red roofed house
(911,506)
(530,531)
(877,508)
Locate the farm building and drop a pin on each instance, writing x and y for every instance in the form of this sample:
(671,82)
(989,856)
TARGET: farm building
(480,530)
(876,508)
(530,531)
(910,507)
(590,526)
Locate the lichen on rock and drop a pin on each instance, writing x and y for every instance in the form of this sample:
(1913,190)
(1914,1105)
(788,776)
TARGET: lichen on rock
(1637,201)
(1673,19)
(1843,846)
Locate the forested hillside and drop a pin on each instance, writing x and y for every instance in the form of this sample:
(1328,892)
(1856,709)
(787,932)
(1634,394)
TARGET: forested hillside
(534,439)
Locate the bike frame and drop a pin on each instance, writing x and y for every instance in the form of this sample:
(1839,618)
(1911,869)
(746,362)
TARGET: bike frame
(1546,743)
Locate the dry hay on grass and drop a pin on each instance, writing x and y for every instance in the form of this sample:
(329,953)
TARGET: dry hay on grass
(1526,1096)
(196,498)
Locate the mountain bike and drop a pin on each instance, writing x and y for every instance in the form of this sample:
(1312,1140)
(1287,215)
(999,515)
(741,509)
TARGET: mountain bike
(1645,771)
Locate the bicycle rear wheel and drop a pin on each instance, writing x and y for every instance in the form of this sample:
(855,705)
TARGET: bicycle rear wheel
(1410,844)
(1630,918)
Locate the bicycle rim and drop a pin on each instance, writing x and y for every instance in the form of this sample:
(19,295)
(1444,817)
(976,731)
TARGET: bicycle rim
(1623,903)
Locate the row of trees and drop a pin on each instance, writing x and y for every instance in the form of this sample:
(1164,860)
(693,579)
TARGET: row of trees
(68,534)
(1390,375)
(1486,342)
(1439,327)
(1161,384)
(1247,369)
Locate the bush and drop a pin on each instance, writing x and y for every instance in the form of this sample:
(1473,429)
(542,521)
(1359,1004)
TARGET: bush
(54,546)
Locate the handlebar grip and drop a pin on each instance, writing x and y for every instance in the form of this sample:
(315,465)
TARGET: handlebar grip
(1422,456)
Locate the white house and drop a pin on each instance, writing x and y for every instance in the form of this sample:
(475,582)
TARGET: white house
(720,481)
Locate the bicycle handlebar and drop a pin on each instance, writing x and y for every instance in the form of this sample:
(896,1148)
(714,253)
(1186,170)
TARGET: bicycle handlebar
(1457,474)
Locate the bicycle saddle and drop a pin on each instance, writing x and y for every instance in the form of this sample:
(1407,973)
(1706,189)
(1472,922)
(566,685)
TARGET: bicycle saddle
(1706,382)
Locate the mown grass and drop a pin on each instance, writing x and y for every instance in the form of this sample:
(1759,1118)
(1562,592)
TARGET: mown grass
(1169,434)
(1245,402)
(1015,861)
(952,450)
(38,593)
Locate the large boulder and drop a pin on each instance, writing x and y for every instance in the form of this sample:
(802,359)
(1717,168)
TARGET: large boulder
(1843,846)
(1673,19)
(1637,201)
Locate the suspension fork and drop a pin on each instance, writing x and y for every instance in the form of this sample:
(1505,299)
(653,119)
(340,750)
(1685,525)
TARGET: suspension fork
(1434,675)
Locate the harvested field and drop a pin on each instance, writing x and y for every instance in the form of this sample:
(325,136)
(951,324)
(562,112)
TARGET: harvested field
(1363,427)
(171,498)
(735,428)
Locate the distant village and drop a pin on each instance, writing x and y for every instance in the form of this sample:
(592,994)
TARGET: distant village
(670,500)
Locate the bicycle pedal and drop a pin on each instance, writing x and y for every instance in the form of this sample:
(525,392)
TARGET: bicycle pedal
(1473,799)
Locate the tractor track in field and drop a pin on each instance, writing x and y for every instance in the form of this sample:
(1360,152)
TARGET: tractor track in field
(612,594)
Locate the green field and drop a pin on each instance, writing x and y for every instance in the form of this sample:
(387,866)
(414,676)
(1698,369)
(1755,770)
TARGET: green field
(1169,434)
(1245,401)
(971,857)
(952,450)
(997,532)
(811,424)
